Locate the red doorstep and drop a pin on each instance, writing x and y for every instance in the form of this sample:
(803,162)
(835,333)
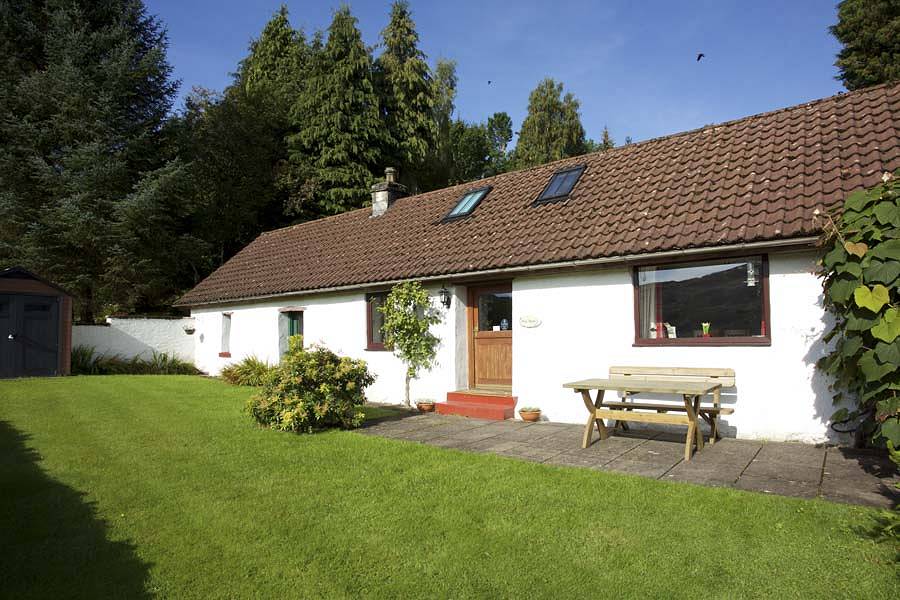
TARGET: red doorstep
(480,406)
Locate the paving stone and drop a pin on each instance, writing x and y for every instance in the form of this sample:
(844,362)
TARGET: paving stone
(578,459)
(527,451)
(877,494)
(784,470)
(792,453)
(657,451)
(636,467)
(532,432)
(446,442)
(781,487)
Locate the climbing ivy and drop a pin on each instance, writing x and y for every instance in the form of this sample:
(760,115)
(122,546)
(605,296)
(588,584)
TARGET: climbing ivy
(861,270)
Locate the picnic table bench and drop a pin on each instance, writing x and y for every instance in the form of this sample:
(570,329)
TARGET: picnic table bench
(691,384)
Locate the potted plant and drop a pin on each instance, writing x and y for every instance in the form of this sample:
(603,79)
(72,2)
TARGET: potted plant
(530,413)
(425,404)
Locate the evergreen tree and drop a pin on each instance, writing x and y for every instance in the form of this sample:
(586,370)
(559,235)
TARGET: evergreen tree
(86,89)
(499,133)
(869,31)
(470,152)
(341,136)
(407,95)
(440,159)
(552,130)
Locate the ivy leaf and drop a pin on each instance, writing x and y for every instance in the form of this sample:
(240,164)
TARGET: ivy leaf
(856,248)
(841,288)
(880,271)
(888,352)
(890,429)
(888,329)
(873,299)
(857,201)
(889,250)
(888,408)
(861,322)
(834,257)
(851,268)
(851,345)
(839,415)
(871,368)
(887,214)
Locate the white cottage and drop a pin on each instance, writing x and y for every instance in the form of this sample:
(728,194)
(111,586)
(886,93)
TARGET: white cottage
(691,250)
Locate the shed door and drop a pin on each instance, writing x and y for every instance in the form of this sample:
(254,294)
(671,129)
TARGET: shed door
(29,326)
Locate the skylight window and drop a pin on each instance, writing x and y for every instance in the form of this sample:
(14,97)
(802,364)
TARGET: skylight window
(468,202)
(561,184)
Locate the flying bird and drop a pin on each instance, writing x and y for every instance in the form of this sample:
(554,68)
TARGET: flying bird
(699,56)
(489,82)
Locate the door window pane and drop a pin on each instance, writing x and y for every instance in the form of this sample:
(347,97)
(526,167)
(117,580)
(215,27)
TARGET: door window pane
(714,299)
(495,311)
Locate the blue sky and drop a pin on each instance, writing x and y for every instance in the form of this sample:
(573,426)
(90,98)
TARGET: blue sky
(632,64)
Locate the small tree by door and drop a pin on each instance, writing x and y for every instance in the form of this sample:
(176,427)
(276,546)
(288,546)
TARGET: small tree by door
(408,317)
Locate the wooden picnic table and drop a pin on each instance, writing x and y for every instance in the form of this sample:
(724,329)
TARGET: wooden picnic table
(622,411)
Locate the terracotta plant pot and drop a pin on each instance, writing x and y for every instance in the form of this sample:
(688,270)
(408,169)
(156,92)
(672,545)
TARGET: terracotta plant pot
(530,415)
(425,406)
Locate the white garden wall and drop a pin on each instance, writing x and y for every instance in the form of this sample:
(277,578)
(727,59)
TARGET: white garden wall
(337,321)
(586,325)
(137,336)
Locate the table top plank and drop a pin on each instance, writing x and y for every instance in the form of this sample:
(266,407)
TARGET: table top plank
(693,388)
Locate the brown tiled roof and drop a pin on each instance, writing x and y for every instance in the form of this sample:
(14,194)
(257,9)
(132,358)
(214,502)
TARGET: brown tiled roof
(756,179)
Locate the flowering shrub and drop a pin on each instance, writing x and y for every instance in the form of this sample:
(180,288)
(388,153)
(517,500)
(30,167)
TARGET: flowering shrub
(312,389)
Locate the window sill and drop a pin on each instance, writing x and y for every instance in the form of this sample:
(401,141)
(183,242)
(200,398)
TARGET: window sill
(224,354)
(700,342)
(376,348)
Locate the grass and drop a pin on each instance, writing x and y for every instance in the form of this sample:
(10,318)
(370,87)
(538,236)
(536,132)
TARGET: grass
(141,486)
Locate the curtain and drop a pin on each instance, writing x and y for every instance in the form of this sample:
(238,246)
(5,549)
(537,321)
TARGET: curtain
(647,300)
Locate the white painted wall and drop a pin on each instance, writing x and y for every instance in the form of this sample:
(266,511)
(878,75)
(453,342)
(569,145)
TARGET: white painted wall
(337,321)
(137,336)
(587,325)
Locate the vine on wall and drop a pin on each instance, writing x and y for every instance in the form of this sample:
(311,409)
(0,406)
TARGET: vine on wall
(861,270)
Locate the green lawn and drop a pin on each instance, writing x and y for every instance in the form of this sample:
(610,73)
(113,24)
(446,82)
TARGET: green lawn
(160,486)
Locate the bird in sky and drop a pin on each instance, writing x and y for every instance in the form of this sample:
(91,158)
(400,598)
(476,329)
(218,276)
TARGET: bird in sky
(699,56)
(489,82)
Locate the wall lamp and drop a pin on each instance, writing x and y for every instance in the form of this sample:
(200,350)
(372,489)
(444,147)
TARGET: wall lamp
(445,296)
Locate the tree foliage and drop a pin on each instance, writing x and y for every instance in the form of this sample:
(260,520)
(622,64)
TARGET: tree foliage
(862,290)
(408,318)
(86,89)
(407,95)
(552,129)
(341,137)
(869,31)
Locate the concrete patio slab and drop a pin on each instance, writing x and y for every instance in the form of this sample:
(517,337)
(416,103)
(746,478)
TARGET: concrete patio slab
(788,469)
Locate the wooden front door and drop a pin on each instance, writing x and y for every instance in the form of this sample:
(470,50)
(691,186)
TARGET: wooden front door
(490,335)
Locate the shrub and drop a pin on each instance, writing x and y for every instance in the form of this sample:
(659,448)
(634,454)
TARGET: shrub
(251,372)
(312,389)
(86,361)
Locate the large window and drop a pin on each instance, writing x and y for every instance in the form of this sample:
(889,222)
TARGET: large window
(375,321)
(718,302)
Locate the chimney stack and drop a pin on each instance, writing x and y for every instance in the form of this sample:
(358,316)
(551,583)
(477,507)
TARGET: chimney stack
(384,193)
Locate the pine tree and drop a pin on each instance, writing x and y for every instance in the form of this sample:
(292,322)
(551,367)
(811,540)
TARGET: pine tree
(552,130)
(82,105)
(341,137)
(275,67)
(869,31)
(439,166)
(407,95)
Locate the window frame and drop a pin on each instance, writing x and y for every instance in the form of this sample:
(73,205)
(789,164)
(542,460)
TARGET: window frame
(451,217)
(370,344)
(763,340)
(225,340)
(541,200)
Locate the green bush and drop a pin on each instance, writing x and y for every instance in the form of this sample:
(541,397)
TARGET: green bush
(86,361)
(312,389)
(251,372)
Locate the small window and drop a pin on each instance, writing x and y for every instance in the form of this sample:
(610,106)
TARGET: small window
(225,350)
(468,202)
(375,321)
(290,323)
(560,185)
(714,302)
